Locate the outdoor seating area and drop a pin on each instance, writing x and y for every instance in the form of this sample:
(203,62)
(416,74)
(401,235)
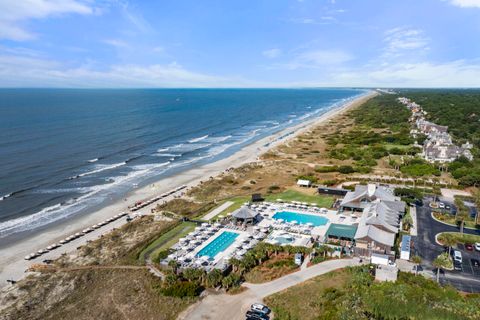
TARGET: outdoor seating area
(210,246)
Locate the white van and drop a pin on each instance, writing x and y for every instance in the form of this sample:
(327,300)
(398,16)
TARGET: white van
(457,256)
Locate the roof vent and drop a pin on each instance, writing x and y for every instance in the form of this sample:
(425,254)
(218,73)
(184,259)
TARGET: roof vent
(371,189)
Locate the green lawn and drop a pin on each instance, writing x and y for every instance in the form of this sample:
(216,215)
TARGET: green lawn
(292,195)
(390,146)
(460,237)
(450,219)
(353,294)
(237,203)
(167,239)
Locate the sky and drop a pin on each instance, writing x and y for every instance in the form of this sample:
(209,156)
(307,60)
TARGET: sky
(238,43)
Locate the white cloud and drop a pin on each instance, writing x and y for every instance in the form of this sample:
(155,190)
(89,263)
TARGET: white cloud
(14,13)
(319,59)
(466,3)
(116,43)
(272,53)
(460,73)
(26,71)
(403,40)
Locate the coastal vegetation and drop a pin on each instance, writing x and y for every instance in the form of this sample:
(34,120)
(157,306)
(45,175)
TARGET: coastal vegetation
(460,111)
(457,237)
(352,294)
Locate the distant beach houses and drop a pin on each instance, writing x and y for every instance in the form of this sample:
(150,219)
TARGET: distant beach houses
(438,145)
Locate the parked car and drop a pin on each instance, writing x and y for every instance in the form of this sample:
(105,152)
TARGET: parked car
(469,246)
(441,205)
(447,207)
(253,314)
(260,307)
(457,256)
(298,259)
(477,246)
(475,263)
(457,266)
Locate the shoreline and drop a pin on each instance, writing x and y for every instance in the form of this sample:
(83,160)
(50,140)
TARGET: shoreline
(13,264)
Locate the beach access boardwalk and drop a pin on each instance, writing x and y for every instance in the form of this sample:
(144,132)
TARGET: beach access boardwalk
(217,211)
(233,307)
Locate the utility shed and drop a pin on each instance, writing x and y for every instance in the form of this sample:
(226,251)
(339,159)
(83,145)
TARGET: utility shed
(405,248)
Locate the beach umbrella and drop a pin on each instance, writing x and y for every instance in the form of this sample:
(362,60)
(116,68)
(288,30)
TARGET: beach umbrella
(294,222)
(310,224)
(204,224)
(217,224)
(182,240)
(264,230)
(181,258)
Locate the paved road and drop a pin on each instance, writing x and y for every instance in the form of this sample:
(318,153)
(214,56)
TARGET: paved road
(232,307)
(425,246)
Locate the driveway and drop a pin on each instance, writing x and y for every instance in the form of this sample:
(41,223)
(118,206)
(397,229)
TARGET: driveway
(232,307)
(468,279)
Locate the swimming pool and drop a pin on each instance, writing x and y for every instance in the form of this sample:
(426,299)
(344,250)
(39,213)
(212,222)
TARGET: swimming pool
(219,244)
(301,218)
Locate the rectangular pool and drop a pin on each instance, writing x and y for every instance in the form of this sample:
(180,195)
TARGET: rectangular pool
(301,218)
(219,244)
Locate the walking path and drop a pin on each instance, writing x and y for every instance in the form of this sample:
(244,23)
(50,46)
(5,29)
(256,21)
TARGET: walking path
(232,307)
(413,228)
(217,210)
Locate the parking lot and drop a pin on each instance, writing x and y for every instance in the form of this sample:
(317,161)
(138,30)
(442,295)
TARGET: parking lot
(467,279)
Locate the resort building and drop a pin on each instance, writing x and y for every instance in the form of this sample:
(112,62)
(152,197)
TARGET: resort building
(363,195)
(379,222)
(439,146)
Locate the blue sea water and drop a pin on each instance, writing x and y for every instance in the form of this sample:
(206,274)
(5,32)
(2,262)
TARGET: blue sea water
(66,151)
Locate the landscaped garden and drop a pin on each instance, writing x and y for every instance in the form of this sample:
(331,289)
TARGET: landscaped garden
(352,294)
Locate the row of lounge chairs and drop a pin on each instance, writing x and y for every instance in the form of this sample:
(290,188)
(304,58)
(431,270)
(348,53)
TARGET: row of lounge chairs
(140,205)
(74,236)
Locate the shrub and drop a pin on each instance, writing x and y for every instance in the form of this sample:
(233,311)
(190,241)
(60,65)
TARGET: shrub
(346,169)
(182,289)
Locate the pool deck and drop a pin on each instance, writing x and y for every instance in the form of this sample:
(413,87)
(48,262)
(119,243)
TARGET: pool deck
(333,216)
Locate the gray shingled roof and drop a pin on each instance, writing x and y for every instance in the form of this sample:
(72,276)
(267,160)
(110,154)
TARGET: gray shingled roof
(375,234)
(244,213)
(354,198)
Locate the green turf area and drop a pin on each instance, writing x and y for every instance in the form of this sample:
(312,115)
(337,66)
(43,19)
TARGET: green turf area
(237,203)
(292,195)
(460,237)
(352,294)
(167,239)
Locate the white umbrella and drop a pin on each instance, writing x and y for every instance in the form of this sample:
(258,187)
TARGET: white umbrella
(294,222)
(204,224)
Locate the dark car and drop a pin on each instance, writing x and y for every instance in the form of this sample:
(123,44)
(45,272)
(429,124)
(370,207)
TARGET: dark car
(256,315)
(475,263)
(457,266)
(469,246)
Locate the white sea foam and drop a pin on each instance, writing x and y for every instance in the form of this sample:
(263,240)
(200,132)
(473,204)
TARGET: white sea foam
(198,139)
(100,168)
(5,196)
(92,160)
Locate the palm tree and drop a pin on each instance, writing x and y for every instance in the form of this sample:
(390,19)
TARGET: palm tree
(462,213)
(449,241)
(443,261)
(417,260)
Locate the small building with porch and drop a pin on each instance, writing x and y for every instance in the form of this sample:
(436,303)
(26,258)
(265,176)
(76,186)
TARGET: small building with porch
(245,215)
(341,233)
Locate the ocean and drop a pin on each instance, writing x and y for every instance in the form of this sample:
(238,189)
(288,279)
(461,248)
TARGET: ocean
(64,152)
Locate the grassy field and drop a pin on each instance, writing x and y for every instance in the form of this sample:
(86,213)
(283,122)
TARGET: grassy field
(167,239)
(292,195)
(353,294)
(237,203)
(305,301)
(460,237)
(272,269)
(450,219)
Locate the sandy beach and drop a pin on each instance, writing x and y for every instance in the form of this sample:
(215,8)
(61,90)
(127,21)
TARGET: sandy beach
(13,265)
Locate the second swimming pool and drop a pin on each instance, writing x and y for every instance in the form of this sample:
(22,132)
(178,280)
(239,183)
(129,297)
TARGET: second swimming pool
(301,218)
(219,244)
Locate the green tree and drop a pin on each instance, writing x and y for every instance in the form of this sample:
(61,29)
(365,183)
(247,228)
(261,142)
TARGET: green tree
(449,240)
(443,261)
(417,260)
(462,213)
